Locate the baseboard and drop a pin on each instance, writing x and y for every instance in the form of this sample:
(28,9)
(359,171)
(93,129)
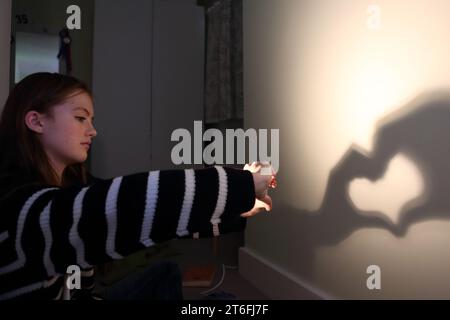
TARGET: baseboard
(273,281)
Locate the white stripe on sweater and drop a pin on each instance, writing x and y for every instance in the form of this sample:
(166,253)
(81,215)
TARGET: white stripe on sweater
(52,281)
(111,217)
(32,287)
(4,236)
(44,222)
(150,207)
(21,291)
(21,259)
(221,199)
(189,192)
(74,236)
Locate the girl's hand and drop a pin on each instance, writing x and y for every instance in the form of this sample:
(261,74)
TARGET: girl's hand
(262,184)
(259,206)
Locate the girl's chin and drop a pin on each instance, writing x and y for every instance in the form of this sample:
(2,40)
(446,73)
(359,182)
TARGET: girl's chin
(79,159)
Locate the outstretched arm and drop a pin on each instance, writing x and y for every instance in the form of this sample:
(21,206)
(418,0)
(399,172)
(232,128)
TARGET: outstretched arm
(51,228)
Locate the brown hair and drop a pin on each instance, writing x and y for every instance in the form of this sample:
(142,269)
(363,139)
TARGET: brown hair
(20,148)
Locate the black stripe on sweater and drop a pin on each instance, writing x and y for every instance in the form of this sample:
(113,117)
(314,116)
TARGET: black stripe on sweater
(168,209)
(239,180)
(205,199)
(61,219)
(130,213)
(93,225)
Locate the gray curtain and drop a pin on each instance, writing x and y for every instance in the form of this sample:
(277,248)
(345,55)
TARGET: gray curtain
(224,68)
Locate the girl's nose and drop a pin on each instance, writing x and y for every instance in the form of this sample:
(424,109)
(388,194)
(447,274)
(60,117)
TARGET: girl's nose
(92,132)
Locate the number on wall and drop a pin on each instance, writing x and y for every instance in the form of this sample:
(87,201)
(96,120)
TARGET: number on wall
(21,19)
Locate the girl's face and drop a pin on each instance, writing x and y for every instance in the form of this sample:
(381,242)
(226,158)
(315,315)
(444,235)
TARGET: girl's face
(68,130)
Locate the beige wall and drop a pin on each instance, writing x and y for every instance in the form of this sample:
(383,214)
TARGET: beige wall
(363,165)
(5,33)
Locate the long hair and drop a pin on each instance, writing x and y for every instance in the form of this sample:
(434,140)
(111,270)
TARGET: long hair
(21,150)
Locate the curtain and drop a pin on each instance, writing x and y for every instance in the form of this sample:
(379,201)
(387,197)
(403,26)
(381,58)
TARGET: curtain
(224,61)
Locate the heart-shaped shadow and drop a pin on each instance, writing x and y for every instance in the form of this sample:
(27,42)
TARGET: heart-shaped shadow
(412,152)
(402,183)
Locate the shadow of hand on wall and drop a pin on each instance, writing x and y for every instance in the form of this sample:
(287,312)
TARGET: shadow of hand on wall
(421,132)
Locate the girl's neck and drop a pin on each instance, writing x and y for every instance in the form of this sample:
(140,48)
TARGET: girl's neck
(58,171)
(59,181)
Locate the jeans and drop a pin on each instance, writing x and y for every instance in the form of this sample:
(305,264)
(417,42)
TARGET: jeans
(160,281)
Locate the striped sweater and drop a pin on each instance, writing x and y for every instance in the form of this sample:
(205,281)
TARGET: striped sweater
(45,229)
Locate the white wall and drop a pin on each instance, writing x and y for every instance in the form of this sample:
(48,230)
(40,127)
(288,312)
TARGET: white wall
(49,17)
(178,74)
(122,86)
(5,36)
(364,165)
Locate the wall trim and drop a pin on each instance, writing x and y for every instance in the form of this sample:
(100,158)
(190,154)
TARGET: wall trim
(273,281)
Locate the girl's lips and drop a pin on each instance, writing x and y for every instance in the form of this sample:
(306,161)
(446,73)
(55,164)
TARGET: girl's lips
(87,145)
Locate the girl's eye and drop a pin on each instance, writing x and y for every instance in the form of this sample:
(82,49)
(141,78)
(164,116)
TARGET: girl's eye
(81,119)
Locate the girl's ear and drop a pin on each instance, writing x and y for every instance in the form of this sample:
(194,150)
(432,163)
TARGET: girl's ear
(33,121)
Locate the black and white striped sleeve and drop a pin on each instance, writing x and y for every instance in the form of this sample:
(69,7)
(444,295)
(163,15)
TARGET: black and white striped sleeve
(111,219)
